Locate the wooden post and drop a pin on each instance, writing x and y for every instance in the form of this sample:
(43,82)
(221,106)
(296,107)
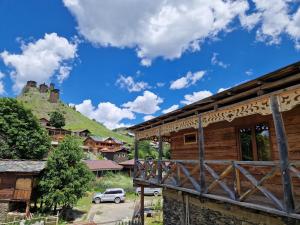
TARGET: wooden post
(142,206)
(27,210)
(283,154)
(201,154)
(160,153)
(136,157)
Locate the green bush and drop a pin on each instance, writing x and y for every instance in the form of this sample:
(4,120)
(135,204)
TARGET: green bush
(114,180)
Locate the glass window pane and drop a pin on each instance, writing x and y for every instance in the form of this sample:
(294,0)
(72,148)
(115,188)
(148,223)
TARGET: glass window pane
(190,138)
(246,144)
(262,135)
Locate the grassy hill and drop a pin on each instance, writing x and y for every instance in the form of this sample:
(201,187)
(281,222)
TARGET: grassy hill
(41,107)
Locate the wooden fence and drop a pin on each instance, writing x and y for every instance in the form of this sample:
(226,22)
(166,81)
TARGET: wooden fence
(50,220)
(255,184)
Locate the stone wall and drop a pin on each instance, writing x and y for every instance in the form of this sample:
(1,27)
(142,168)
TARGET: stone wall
(4,209)
(186,209)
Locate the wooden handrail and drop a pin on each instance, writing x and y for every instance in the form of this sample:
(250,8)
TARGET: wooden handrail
(239,180)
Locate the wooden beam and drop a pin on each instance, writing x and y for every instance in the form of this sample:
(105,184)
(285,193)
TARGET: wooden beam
(201,154)
(142,206)
(136,157)
(160,153)
(283,154)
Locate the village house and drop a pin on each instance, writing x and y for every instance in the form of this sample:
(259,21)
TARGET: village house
(82,133)
(235,156)
(58,134)
(44,122)
(110,148)
(18,180)
(128,166)
(100,167)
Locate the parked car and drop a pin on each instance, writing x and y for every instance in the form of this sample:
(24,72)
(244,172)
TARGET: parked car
(149,191)
(116,195)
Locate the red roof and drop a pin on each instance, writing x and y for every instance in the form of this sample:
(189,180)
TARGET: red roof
(96,165)
(127,163)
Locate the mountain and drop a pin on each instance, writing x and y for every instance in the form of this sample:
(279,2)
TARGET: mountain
(39,103)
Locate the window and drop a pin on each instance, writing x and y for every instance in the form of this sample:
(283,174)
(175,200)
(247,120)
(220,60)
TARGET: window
(255,142)
(190,138)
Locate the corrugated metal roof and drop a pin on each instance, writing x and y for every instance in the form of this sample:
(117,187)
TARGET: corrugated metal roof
(24,166)
(97,138)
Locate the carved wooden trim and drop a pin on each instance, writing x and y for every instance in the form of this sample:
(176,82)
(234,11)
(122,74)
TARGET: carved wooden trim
(260,106)
(287,100)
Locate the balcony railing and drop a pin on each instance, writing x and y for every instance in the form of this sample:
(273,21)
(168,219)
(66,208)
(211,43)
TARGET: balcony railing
(253,184)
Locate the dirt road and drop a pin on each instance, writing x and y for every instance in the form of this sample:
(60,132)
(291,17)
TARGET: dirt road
(109,213)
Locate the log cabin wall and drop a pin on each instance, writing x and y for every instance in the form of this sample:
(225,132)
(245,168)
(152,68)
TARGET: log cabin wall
(221,139)
(15,187)
(222,143)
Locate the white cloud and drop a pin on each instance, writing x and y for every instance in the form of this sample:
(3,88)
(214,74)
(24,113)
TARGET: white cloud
(148,103)
(216,61)
(160,84)
(196,96)
(41,60)
(107,113)
(157,28)
(148,117)
(2,90)
(187,80)
(249,72)
(172,108)
(274,18)
(222,89)
(130,84)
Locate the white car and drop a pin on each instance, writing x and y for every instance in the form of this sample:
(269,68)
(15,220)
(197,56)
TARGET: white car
(149,191)
(116,195)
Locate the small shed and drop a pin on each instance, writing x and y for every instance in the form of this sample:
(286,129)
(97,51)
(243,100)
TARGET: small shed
(100,167)
(82,133)
(128,166)
(18,180)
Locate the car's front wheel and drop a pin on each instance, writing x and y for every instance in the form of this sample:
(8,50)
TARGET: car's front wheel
(97,200)
(117,200)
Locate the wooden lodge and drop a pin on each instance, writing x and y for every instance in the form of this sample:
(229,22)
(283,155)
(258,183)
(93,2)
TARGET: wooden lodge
(18,179)
(235,156)
(58,134)
(110,148)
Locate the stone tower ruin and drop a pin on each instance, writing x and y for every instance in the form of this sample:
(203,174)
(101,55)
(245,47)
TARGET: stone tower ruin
(54,95)
(43,88)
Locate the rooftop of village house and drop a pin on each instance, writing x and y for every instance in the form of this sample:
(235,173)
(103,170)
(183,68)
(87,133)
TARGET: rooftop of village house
(265,84)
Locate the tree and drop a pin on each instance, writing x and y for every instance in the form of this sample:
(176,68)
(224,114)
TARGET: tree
(57,119)
(21,136)
(66,178)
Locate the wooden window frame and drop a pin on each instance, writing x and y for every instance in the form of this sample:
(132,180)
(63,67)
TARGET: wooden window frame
(190,143)
(253,140)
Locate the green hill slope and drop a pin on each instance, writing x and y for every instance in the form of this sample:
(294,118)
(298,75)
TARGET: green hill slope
(41,107)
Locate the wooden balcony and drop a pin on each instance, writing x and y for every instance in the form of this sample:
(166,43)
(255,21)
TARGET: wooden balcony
(253,184)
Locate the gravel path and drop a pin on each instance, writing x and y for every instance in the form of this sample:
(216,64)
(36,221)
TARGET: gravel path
(109,213)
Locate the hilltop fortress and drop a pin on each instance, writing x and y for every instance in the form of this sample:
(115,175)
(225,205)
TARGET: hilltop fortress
(43,88)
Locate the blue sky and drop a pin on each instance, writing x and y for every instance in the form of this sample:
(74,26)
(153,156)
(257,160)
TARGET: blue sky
(122,62)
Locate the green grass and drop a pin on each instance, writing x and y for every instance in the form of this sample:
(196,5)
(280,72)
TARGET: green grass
(84,204)
(114,180)
(41,107)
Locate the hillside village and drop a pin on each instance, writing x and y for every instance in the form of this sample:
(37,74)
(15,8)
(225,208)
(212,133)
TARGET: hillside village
(109,158)
(150,112)
(109,148)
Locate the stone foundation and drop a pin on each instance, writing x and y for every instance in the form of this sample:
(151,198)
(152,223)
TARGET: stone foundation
(4,209)
(187,209)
